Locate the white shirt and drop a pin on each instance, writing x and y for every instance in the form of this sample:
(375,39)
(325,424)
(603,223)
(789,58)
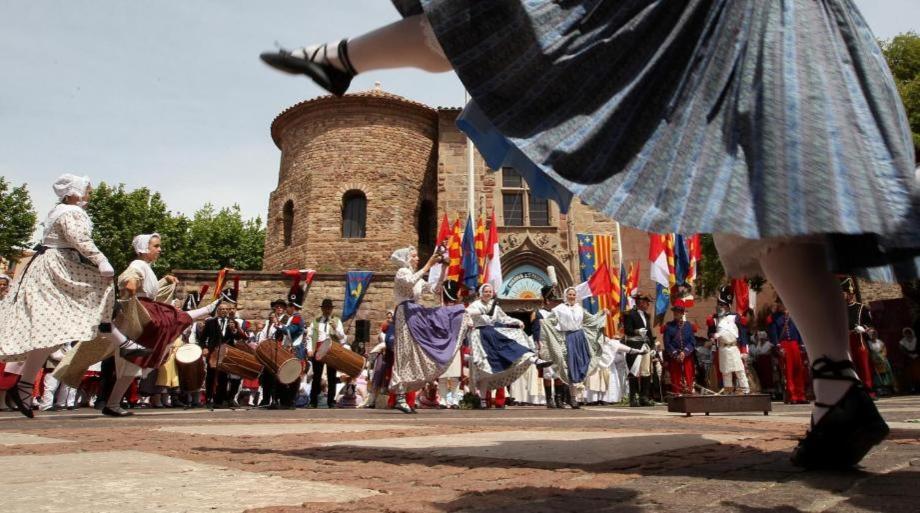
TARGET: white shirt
(409,285)
(323,330)
(569,318)
(727,329)
(149,284)
(479,313)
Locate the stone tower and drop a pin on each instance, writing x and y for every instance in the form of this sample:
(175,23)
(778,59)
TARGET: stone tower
(372,145)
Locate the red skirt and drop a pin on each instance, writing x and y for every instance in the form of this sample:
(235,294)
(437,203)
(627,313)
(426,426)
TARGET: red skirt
(166,325)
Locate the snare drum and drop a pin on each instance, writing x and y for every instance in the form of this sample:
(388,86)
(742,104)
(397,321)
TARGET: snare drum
(190,367)
(279,361)
(238,362)
(338,357)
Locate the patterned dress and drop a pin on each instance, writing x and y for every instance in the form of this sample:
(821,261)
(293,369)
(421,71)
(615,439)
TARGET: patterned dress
(500,350)
(424,339)
(759,119)
(60,297)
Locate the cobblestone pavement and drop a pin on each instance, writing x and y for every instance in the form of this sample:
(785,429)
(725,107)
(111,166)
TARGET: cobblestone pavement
(519,459)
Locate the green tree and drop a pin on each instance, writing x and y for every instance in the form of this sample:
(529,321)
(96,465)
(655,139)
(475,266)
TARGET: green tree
(223,239)
(17,219)
(712,273)
(119,215)
(903,55)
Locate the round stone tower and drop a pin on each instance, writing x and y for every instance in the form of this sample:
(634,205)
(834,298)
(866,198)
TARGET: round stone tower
(358,179)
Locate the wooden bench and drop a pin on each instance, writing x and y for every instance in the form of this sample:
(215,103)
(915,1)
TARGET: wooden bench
(707,404)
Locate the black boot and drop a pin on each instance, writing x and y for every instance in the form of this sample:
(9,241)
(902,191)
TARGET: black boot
(22,388)
(548,390)
(633,391)
(645,388)
(559,397)
(848,430)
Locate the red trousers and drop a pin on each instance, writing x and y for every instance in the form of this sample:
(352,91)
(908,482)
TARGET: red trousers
(794,370)
(681,371)
(497,400)
(860,354)
(410,399)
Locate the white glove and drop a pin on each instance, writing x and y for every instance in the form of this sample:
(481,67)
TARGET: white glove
(860,329)
(106,269)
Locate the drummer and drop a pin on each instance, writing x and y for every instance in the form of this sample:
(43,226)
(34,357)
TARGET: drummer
(323,327)
(277,320)
(289,330)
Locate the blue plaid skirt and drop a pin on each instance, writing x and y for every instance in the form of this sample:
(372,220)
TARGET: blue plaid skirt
(761,119)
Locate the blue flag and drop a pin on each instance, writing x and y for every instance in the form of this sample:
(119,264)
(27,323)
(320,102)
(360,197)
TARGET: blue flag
(662,300)
(588,263)
(624,294)
(681,259)
(469,261)
(356,283)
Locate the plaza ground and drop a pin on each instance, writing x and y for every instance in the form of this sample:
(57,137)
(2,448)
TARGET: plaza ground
(520,459)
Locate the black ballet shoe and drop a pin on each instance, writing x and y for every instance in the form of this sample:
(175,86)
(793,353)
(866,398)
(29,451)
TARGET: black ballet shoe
(116,412)
(542,364)
(848,431)
(22,387)
(325,75)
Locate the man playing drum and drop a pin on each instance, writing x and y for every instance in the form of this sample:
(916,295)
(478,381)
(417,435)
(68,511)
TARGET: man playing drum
(322,328)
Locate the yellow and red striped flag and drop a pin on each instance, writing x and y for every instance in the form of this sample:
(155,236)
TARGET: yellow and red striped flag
(455,269)
(480,241)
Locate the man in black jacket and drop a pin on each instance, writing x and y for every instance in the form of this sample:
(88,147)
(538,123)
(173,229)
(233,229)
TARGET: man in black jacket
(217,331)
(638,327)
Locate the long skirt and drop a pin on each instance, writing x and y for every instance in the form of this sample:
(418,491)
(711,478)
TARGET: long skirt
(424,343)
(577,356)
(499,356)
(58,299)
(782,114)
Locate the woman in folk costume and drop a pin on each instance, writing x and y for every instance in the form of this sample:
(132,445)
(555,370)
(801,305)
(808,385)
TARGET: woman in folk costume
(424,340)
(606,386)
(572,339)
(166,321)
(500,350)
(783,114)
(63,295)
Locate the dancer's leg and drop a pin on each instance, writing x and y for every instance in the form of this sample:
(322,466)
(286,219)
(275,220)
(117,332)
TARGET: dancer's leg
(408,43)
(799,273)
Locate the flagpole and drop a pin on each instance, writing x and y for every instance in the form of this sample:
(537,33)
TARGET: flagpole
(619,247)
(470,172)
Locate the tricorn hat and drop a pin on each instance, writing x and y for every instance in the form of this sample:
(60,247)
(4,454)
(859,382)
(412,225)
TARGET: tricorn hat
(726,296)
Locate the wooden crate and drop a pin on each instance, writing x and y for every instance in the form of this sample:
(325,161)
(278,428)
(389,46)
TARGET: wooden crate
(707,404)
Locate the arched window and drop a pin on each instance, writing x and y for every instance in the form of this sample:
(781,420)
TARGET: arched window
(287,222)
(427,228)
(354,215)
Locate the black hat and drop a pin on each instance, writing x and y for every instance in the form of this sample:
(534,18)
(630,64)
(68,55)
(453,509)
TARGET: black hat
(191,301)
(451,290)
(327,303)
(278,302)
(295,297)
(847,285)
(641,297)
(550,293)
(726,296)
(679,306)
(230,295)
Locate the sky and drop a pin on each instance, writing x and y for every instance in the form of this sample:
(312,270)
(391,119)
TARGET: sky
(170,95)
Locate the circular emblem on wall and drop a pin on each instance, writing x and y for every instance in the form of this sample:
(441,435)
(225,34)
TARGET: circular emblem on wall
(524,282)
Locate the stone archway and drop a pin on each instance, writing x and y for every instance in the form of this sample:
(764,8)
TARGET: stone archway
(525,262)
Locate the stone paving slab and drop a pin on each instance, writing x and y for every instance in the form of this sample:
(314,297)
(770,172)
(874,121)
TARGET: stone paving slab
(10,438)
(274,429)
(138,482)
(574,447)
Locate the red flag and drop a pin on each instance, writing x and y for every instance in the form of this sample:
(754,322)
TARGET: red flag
(742,295)
(219,283)
(597,285)
(455,269)
(443,231)
(695,252)
(479,240)
(493,270)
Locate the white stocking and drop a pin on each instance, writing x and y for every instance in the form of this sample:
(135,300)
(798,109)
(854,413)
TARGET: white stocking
(798,271)
(408,43)
(201,313)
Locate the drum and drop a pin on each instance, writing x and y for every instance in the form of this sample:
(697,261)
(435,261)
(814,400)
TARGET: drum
(238,362)
(279,361)
(190,367)
(340,358)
